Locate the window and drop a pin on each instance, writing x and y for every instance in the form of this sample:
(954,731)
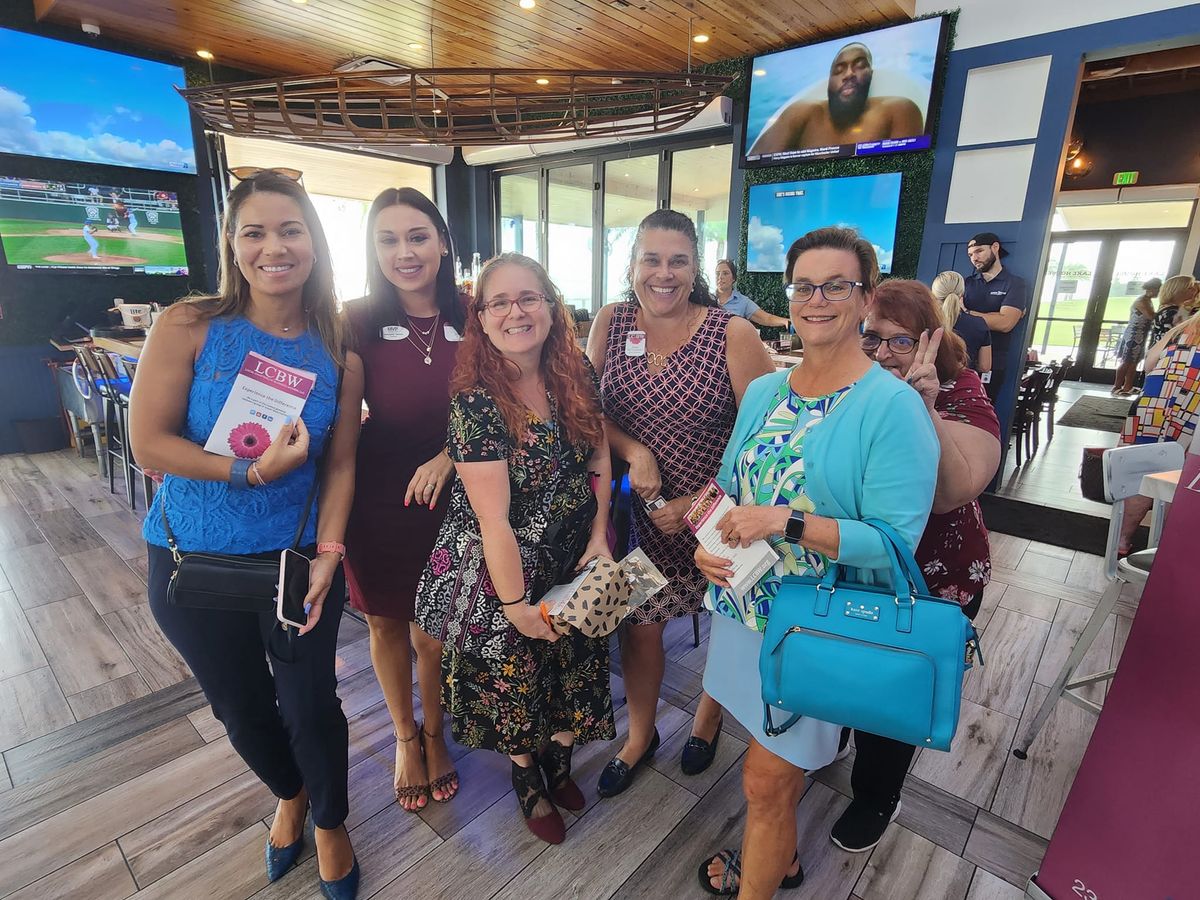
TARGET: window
(630,194)
(697,190)
(519,214)
(569,233)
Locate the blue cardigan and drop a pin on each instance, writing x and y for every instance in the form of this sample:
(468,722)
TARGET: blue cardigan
(874,457)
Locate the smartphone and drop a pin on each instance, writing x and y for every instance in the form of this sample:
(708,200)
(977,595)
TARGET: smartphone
(293,588)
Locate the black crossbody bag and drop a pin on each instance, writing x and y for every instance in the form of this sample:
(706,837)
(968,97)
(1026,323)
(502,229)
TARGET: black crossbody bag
(237,583)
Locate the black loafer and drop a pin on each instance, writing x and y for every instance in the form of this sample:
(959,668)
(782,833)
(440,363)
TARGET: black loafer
(698,753)
(617,776)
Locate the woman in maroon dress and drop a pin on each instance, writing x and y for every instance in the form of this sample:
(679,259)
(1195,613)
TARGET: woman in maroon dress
(407,330)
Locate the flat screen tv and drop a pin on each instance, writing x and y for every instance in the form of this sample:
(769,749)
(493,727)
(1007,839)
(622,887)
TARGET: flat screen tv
(860,95)
(67,101)
(780,213)
(67,226)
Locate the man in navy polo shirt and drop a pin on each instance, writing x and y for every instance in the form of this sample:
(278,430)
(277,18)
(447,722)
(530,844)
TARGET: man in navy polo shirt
(996,296)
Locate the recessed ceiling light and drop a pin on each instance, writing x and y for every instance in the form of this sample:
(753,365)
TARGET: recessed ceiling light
(527,4)
(300,2)
(436,110)
(205,54)
(617,81)
(696,191)
(701,39)
(760,72)
(543,81)
(414,46)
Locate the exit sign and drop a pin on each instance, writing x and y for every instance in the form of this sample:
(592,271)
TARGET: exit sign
(1124,178)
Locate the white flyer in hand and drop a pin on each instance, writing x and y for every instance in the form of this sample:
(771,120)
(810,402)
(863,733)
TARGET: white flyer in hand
(748,563)
(265,395)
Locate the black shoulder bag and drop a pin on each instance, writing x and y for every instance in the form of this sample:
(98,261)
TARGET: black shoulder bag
(236,583)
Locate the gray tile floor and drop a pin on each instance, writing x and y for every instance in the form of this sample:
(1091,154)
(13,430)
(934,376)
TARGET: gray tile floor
(115,780)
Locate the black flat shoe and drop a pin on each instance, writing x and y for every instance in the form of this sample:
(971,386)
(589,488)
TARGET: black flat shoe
(698,753)
(617,775)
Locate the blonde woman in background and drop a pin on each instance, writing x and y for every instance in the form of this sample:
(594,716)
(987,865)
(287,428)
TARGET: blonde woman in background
(948,289)
(1176,301)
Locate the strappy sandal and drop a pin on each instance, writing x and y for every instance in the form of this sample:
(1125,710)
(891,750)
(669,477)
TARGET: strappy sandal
(530,789)
(731,878)
(555,762)
(442,783)
(412,793)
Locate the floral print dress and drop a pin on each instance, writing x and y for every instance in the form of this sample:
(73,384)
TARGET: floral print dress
(504,691)
(769,471)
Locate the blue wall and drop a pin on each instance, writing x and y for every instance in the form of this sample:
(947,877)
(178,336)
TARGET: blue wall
(944,246)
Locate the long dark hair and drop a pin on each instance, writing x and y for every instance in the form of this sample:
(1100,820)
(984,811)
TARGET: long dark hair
(233,291)
(670,220)
(383,305)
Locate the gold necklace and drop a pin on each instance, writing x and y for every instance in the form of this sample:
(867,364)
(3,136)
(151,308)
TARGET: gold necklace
(659,360)
(425,334)
(425,349)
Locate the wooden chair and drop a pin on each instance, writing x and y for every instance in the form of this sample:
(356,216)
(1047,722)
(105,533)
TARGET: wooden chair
(1123,471)
(1027,416)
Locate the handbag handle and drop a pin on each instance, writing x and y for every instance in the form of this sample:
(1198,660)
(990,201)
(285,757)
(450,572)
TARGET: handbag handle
(913,573)
(901,584)
(312,490)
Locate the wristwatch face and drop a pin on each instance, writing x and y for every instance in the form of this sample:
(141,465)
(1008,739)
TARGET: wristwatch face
(795,527)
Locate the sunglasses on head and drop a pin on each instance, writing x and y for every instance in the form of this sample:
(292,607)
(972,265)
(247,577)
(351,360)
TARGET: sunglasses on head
(244,173)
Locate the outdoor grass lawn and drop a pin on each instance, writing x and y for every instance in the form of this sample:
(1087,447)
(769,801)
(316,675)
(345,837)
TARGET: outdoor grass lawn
(1062,334)
(28,243)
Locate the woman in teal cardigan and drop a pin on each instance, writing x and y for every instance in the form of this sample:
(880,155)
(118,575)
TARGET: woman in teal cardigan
(815,451)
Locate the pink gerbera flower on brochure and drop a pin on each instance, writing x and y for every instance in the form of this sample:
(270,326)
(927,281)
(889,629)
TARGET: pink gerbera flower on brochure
(249,440)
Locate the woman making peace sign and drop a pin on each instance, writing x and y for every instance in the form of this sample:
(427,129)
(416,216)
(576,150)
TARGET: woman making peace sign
(903,333)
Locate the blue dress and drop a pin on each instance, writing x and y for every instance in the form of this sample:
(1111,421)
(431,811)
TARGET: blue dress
(769,470)
(211,516)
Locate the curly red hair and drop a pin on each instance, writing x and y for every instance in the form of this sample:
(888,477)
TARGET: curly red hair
(563,366)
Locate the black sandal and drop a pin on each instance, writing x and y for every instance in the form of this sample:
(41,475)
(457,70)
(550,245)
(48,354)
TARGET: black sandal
(732,876)
(555,762)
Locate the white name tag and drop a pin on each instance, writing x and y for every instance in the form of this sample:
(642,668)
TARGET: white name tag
(451,333)
(635,343)
(393,332)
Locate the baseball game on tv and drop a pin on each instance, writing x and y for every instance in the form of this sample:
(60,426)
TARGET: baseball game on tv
(53,225)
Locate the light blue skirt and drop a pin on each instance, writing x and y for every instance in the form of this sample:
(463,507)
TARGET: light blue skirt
(731,678)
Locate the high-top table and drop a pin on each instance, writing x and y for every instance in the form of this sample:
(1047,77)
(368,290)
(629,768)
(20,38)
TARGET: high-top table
(131,347)
(1159,487)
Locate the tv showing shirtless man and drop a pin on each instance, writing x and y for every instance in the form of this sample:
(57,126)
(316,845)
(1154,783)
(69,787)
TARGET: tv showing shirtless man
(850,115)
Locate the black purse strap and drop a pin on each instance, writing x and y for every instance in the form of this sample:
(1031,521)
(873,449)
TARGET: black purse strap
(312,490)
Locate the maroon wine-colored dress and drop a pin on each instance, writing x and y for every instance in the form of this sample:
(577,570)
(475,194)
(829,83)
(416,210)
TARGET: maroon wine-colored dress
(387,543)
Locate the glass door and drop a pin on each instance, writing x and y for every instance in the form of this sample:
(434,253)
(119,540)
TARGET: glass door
(630,194)
(1089,285)
(569,232)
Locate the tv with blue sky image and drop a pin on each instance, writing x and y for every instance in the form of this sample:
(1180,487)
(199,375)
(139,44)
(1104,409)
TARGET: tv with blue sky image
(780,213)
(67,101)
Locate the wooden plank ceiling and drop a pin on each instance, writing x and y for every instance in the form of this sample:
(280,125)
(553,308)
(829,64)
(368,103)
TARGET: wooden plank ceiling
(292,37)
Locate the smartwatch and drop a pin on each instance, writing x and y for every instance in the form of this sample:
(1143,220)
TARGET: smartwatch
(794,532)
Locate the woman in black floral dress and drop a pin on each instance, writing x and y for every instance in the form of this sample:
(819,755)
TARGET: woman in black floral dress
(527,437)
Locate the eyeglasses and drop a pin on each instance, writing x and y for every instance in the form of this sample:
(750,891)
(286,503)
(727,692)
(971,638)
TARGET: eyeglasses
(900,344)
(502,306)
(802,291)
(244,173)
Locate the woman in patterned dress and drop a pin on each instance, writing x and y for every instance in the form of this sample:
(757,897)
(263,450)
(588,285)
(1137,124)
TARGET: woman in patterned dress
(527,437)
(673,368)
(815,452)
(1132,346)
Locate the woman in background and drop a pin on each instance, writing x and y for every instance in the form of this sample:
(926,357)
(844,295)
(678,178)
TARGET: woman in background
(407,330)
(948,290)
(734,302)
(527,438)
(276,298)
(1132,346)
(673,368)
(1167,409)
(1175,298)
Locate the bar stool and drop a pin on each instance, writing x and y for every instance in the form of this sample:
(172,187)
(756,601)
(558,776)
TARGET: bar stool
(1123,470)
(115,390)
(83,381)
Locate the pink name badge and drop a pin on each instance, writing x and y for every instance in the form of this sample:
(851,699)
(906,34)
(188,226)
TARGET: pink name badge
(635,343)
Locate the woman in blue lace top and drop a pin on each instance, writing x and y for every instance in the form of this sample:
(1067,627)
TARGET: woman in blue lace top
(276,299)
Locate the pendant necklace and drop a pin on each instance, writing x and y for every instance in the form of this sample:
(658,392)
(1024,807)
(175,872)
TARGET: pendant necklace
(425,349)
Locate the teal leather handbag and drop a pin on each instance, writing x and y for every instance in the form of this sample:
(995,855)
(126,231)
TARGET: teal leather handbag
(885,659)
